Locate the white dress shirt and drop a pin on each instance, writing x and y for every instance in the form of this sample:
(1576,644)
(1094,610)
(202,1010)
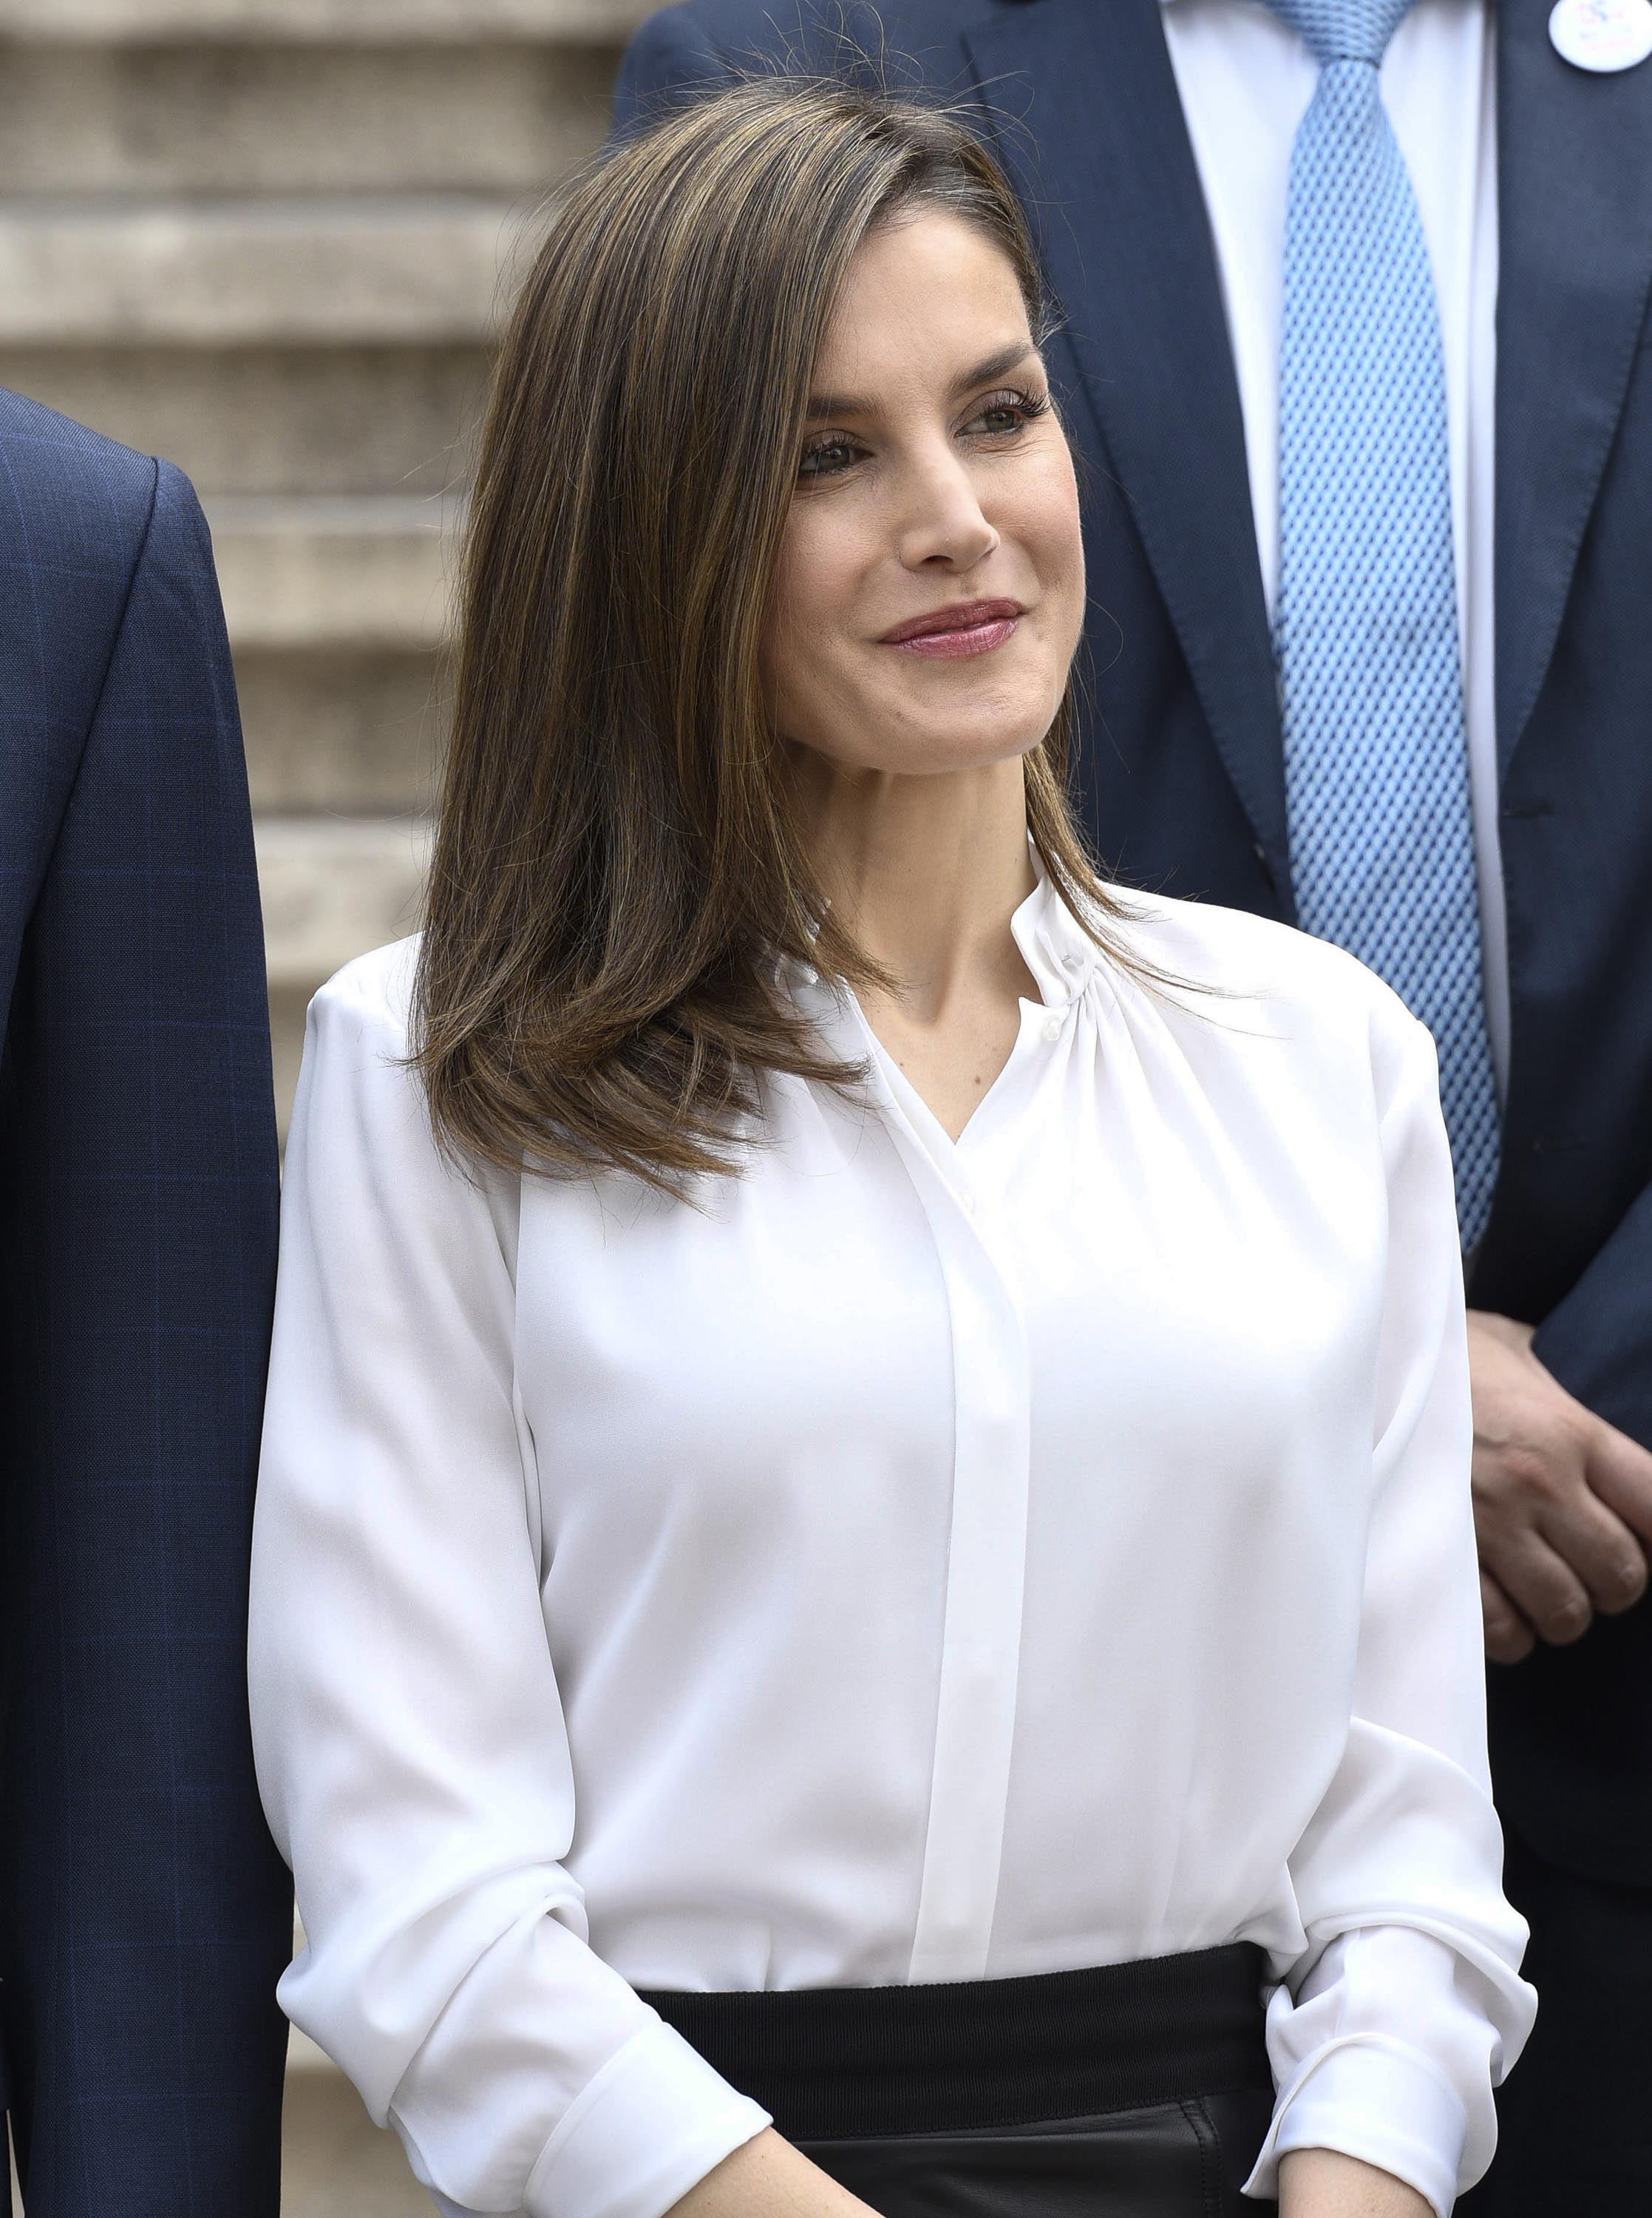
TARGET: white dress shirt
(917,1561)
(1246,79)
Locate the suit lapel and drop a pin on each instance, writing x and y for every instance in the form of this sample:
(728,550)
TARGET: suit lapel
(1126,241)
(1574,218)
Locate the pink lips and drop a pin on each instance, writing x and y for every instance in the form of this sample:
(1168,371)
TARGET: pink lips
(966,627)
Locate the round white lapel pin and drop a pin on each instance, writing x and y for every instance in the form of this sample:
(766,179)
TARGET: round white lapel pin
(1602,35)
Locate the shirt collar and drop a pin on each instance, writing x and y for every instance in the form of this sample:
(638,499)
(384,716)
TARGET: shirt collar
(1061,955)
(1055,946)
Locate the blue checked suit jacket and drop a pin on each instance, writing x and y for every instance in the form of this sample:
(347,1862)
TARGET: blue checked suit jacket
(1181,770)
(144,1914)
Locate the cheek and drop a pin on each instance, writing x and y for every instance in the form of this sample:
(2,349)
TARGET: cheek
(1048,528)
(810,621)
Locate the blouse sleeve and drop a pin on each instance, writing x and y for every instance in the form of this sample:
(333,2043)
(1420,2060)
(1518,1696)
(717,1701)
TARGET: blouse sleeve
(409,1732)
(1390,2034)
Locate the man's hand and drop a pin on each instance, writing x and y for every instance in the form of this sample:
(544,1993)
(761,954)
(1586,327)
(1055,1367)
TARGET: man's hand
(1563,1500)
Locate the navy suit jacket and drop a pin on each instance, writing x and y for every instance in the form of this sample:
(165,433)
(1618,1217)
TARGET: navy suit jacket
(145,1915)
(1181,777)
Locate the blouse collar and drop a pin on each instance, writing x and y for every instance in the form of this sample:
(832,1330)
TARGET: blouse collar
(1056,948)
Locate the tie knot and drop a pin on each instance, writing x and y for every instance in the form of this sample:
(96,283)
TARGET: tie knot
(1344,30)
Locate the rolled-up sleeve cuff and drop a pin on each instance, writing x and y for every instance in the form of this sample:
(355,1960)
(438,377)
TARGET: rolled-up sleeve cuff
(654,2121)
(1371,2098)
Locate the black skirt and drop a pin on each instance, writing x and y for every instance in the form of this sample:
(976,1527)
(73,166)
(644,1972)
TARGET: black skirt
(1134,2090)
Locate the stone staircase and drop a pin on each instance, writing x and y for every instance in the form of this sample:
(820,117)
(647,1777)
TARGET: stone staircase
(268,239)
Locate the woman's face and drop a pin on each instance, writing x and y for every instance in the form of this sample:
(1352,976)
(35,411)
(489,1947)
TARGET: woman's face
(929,591)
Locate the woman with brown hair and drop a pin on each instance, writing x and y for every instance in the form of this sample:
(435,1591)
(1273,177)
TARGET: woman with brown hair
(864,1586)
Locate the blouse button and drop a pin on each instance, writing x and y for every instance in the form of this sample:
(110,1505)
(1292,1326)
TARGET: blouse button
(1052,1028)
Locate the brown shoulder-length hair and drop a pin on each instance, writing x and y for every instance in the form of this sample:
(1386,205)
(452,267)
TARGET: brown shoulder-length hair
(618,869)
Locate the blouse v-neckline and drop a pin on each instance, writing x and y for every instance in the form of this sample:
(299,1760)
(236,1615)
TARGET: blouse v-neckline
(1061,959)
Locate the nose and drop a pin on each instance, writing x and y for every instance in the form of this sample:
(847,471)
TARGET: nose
(941,523)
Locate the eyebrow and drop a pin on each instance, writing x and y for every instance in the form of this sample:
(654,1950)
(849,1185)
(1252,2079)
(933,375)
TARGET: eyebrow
(823,405)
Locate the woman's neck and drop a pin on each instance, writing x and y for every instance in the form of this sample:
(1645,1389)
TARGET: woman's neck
(926,873)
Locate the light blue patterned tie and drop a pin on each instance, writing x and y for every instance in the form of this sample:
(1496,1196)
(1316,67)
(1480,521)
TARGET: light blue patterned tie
(1376,777)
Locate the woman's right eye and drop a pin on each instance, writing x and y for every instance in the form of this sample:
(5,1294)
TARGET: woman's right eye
(828,457)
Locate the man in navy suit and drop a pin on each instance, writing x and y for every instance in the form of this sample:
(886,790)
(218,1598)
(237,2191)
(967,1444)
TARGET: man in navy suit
(1153,143)
(144,1915)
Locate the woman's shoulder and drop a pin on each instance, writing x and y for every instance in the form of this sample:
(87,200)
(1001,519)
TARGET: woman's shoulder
(359,1070)
(1233,951)
(1255,975)
(361,1093)
(373,993)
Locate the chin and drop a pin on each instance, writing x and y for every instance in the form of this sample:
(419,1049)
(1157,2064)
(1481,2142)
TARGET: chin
(990,736)
(900,739)
(953,751)
(965,734)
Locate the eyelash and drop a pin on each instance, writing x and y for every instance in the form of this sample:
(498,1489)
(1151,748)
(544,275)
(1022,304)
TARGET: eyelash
(1026,406)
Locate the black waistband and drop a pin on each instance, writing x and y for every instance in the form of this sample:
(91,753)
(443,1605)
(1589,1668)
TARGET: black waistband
(831,2062)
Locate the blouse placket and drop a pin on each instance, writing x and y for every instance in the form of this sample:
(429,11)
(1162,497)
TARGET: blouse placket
(986,1573)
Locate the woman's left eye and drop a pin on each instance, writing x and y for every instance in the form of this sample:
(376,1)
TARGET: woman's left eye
(1004,413)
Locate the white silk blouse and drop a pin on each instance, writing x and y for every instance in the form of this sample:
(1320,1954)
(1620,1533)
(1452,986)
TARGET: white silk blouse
(910,1561)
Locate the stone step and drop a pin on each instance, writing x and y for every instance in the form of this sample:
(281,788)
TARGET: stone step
(417,270)
(354,732)
(336,609)
(367,22)
(334,887)
(496,118)
(361,572)
(275,419)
